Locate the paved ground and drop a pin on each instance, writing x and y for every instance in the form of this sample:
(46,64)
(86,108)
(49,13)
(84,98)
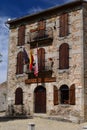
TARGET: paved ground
(40,124)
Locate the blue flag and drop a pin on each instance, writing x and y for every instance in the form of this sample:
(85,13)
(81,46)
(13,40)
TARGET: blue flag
(26,58)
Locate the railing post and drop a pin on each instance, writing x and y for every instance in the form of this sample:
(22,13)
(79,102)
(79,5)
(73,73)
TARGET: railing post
(31,126)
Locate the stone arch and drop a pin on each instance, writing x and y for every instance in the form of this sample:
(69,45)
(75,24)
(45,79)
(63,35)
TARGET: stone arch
(65,81)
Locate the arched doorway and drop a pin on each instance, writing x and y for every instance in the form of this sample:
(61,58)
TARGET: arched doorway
(40,99)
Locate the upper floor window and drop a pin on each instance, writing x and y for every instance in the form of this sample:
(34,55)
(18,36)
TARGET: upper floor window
(41,59)
(41,28)
(21,35)
(41,25)
(18,96)
(64,27)
(64,56)
(19,68)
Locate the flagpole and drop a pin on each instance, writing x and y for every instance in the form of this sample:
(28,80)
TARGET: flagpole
(36,65)
(37,58)
(37,80)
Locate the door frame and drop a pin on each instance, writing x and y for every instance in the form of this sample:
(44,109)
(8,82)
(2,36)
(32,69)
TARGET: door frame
(38,89)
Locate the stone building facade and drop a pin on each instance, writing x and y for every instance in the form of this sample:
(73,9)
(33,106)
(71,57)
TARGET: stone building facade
(56,40)
(3,96)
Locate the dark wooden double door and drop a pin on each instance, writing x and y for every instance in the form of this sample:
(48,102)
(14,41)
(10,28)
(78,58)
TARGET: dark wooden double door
(40,99)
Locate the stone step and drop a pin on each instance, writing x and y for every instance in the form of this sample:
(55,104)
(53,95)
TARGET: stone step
(57,118)
(5,118)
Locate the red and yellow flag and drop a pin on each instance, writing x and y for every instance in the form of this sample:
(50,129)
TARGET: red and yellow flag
(31,61)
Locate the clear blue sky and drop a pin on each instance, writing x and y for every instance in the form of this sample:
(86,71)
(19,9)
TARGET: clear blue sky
(15,9)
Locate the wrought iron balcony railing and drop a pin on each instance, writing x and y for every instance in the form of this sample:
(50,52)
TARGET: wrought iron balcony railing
(40,35)
(42,73)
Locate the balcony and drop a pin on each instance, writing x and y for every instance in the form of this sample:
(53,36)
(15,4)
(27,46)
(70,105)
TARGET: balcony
(42,37)
(46,72)
(44,75)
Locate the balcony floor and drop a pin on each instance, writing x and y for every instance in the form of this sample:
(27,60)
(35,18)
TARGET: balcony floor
(40,80)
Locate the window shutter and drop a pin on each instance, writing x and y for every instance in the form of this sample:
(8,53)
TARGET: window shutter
(64,56)
(18,96)
(41,59)
(21,63)
(63,22)
(21,35)
(66,25)
(55,95)
(66,53)
(72,95)
(19,68)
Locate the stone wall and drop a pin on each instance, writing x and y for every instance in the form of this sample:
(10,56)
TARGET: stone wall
(75,73)
(85,59)
(3,96)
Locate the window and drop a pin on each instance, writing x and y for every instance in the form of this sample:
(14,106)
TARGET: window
(18,96)
(72,94)
(64,56)
(19,67)
(55,95)
(41,25)
(67,96)
(21,35)
(64,94)
(41,59)
(64,28)
(41,28)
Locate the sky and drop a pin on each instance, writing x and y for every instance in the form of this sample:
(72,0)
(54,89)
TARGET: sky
(15,9)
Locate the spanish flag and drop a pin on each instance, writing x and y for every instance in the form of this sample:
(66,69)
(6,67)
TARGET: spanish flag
(31,61)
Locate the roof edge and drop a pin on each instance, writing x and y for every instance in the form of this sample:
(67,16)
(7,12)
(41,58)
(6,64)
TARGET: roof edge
(47,10)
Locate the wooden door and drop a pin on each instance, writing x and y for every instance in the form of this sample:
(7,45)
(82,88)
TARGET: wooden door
(40,100)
